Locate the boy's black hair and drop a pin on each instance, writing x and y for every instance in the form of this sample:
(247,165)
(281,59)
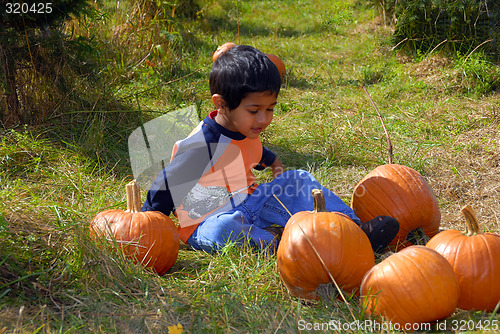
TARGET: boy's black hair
(241,70)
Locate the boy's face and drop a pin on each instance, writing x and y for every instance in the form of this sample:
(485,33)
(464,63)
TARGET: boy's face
(252,116)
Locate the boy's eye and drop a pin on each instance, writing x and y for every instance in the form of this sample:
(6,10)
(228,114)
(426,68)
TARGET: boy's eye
(256,111)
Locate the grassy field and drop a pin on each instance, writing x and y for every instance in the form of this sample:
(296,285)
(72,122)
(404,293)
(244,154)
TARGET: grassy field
(54,178)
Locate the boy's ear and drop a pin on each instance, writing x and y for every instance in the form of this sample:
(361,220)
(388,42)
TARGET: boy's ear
(219,102)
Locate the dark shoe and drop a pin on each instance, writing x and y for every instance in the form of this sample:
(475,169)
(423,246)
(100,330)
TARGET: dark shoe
(277,231)
(381,230)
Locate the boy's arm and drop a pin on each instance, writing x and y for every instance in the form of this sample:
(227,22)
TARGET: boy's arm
(269,159)
(176,180)
(277,167)
(158,197)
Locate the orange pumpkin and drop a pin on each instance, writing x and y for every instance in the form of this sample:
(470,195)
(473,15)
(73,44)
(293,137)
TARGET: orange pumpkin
(475,258)
(400,192)
(317,244)
(279,64)
(150,238)
(414,286)
(221,49)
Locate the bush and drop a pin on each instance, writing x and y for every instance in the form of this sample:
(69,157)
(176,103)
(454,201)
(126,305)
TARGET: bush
(44,68)
(459,25)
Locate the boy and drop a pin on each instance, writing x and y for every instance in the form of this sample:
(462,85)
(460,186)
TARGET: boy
(209,184)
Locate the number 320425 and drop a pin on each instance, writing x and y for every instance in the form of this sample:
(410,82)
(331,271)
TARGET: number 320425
(24,8)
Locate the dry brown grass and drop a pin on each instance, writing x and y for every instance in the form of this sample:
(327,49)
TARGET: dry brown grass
(471,175)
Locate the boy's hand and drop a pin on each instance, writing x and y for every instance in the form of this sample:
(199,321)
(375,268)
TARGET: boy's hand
(277,167)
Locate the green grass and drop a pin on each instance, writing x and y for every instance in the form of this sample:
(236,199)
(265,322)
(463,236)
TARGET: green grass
(440,111)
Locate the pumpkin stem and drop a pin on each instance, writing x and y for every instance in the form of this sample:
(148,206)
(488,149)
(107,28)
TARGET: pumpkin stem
(133,197)
(319,201)
(472,226)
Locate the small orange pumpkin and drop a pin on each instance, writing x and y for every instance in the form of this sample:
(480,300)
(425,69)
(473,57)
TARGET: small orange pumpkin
(221,49)
(279,64)
(400,192)
(414,286)
(475,258)
(319,243)
(150,238)
(275,59)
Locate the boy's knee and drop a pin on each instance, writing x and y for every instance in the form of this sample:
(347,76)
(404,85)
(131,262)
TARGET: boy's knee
(300,173)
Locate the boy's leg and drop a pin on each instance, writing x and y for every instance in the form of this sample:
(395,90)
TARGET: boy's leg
(271,204)
(291,192)
(232,226)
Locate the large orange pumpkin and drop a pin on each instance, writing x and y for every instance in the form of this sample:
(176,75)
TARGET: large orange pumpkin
(400,192)
(414,286)
(148,237)
(475,258)
(317,244)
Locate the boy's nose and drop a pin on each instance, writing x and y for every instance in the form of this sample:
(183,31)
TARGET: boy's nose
(262,118)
